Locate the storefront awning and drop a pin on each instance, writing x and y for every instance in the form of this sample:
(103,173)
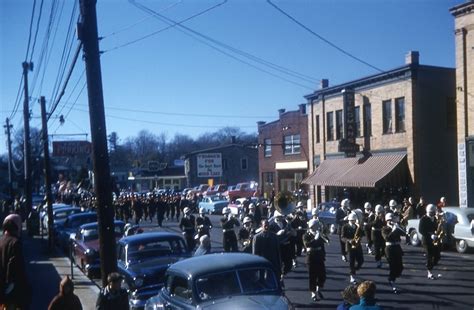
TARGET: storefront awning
(373,171)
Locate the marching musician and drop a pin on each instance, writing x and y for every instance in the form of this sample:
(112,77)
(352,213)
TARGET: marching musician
(187,225)
(300,226)
(376,234)
(392,232)
(283,231)
(314,242)
(351,236)
(369,217)
(246,234)
(428,229)
(203,224)
(341,215)
(229,239)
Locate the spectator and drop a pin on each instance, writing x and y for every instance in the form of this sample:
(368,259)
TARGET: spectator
(15,292)
(350,297)
(113,297)
(366,293)
(66,299)
(204,246)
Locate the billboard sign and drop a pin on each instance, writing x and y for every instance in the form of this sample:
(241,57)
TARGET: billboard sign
(71,148)
(209,165)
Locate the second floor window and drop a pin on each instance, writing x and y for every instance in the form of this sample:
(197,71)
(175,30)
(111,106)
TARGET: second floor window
(357,121)
(367,120)
(267,144)
(400,114)
(330,126)
(292,144)
(339,125)
(244,163)
(317,129)
(387,116)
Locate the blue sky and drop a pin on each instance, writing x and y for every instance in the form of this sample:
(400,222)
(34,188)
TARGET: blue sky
(168,82)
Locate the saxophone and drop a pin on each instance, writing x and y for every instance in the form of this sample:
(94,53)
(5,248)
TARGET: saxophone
(357,237)
(440,231)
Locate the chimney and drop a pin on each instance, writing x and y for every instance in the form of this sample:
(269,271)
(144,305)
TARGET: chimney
(302,108)
(412,57)
(261,123)
(324,83)
(232,139)
(281,111)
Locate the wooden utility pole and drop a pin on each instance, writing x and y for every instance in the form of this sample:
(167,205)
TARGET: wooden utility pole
(9,142)
(27,66)
(47,173)
(100,156)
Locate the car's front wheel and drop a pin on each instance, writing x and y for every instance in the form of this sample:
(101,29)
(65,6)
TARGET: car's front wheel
(461,246)
(414,239)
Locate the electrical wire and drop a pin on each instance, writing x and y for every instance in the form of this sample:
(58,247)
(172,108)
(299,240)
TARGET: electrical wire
(31,30)
(195,33)
(138,22)
(18,99)
(322,38)
(81,77)
(36,32)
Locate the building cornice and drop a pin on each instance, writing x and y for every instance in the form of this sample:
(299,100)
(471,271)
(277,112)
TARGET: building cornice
(462,9)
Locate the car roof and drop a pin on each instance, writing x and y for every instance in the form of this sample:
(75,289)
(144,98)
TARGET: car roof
(78,215)
(218,262)
(96,224)
(150,236)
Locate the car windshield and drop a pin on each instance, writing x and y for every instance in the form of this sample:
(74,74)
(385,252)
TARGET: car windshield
(219,285)
(76,222)
(93,233)
(217,198)
(62,215)
(150,249)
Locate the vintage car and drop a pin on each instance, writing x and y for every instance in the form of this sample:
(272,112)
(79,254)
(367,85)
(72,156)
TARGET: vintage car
(65,233)
(459,228)
(242,190)
(237,206)
(43,212)
(217,189)
(213,204)
(327,215)
(85,246)
(142,260)
(60,215)
(221,281)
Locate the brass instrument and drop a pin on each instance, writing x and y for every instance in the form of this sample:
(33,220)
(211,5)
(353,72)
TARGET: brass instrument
(355,242)
(440,231)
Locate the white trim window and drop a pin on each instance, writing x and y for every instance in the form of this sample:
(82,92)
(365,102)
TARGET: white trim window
(292,144)
(267,148)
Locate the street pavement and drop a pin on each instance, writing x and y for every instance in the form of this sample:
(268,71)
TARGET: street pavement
(453,290)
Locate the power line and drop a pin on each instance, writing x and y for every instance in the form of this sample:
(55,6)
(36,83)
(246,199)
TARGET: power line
(31,28)
(72,92)
(321,37)
(36,32)
(194,33)
(139,21)
(18,98)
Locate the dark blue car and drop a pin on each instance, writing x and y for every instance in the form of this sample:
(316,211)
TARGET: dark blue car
(143,259)
(67,231)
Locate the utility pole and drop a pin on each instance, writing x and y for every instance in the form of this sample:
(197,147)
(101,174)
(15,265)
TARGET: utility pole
(47,173)
(27,66)
(100,156)
(9,142)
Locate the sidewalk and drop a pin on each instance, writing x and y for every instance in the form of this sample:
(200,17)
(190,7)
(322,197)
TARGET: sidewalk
(45,272)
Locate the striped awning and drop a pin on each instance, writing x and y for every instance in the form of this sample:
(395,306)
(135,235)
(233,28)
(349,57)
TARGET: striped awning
(372,171)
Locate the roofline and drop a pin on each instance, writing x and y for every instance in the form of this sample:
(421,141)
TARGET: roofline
(216,148)
(462,8)
(279,118)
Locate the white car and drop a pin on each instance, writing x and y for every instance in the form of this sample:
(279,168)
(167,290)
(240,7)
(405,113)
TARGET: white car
(459,226)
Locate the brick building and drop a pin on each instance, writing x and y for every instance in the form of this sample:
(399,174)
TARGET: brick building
(228,164)
(464,37)
(283,157)
(405,124)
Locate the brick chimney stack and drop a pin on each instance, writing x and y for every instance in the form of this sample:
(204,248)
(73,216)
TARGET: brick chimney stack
(302,108)
(281,111)
(324,83)
(412,57)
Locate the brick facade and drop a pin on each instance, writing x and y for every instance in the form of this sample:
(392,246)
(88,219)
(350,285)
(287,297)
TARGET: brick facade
(277,170)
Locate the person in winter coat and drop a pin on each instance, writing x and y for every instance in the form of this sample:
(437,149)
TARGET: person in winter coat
(366,292)
(267,245)
(15,292)
(66,299)
(113,297)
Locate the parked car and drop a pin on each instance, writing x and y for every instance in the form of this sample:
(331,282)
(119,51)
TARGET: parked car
(327,215)
(459,227)
(215,190)
(221,281)
(60,215)
(237,206)
(199,189)
(143,260)
(213,204)
(67,231)
(43,210)
(242,190)
(85,246)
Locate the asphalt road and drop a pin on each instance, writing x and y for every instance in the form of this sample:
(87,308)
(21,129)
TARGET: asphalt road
(453,290)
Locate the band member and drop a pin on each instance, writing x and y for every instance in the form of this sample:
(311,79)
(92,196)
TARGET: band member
(369,217)
(246,234)
(341,215)
(299,224)
(203,224)
(351,235)
(314,242)
(187,225)
(229,239)
(428,229)
(283,231)
(376,234)
(408,213)
(266,244)
(393,251)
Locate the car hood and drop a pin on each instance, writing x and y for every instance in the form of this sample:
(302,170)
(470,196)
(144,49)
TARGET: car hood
(94,244)
(154,265)
(256,302)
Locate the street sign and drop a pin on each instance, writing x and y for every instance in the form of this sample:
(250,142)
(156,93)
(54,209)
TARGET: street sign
(209,165)
(71,148)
